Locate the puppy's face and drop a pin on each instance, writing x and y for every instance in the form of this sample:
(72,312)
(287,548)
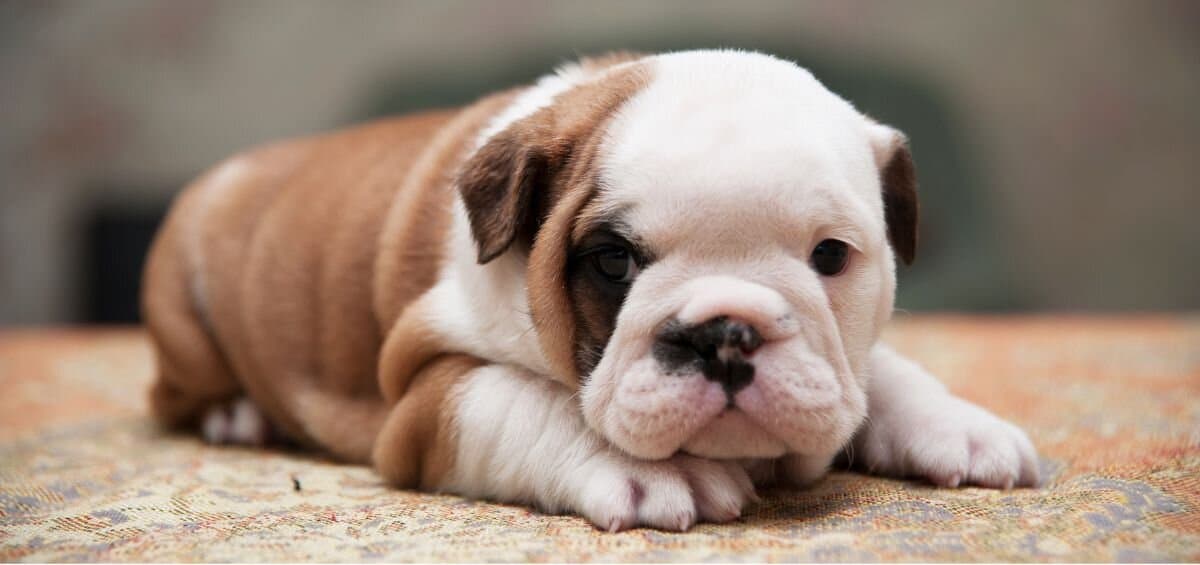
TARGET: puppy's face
(710,262)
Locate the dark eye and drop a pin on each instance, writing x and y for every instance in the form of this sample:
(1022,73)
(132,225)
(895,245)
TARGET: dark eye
(615,264)
(830,257)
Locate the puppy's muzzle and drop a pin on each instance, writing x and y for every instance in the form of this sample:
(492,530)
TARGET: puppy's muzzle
(718,348)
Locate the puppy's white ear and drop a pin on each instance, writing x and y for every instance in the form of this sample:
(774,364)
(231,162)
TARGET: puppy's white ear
(898,177)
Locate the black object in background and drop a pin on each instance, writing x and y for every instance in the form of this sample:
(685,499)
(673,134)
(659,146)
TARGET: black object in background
(116,238)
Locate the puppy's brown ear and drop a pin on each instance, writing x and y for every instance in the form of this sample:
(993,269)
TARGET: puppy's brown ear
(507,185)
(898,177)
(498,186)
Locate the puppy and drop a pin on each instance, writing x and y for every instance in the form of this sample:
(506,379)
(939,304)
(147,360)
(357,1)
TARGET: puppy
(631,291)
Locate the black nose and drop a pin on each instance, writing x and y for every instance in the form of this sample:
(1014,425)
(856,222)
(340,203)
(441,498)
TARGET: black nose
(718,348)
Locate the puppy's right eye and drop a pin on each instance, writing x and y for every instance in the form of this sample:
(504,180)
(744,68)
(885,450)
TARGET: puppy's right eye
(615,264)
(830,257)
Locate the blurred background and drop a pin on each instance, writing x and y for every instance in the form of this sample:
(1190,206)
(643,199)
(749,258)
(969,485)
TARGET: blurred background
(1056,142)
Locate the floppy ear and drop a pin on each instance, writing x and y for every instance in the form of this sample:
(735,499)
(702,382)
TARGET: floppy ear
(498,186)
(898,177)
(506,184)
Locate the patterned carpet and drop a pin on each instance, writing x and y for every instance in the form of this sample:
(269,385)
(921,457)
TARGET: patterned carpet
(1113,405)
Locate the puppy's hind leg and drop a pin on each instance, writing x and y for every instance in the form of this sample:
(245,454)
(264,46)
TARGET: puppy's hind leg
(239,422)
(192,373)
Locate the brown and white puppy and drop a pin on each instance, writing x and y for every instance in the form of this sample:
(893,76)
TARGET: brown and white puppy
(628,291)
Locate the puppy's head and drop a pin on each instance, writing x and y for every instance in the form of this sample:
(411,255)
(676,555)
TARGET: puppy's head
(708,242)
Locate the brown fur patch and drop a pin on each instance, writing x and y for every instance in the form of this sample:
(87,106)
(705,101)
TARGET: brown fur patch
(550,303)
(595,310)
(306,251)
(595,301)
(410,344)
(416,446)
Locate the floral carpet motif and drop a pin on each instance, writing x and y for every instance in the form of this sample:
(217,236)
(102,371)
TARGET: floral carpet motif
(1113,405)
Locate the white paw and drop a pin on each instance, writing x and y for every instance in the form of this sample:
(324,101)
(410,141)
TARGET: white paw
(239,422)
(951,442)
(673,494)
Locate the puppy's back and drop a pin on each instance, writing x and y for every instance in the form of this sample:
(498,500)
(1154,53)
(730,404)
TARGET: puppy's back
(261,280)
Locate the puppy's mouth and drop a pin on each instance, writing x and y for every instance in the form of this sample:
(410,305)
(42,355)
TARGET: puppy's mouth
(784,399)
(734,434)
(720,353)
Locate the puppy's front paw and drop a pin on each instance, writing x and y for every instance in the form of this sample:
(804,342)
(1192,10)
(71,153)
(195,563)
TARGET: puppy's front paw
(950,442)
(622,493)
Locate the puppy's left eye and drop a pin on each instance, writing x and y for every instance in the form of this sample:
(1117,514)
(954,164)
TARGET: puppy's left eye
(830,257)
(615,264)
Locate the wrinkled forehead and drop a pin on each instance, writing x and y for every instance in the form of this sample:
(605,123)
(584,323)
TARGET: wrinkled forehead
(742,144)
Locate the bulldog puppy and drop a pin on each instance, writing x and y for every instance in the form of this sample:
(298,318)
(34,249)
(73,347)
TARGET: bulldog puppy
(630,291)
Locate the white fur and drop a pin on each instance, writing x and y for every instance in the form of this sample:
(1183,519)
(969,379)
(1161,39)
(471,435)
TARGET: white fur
(216,424)
(483,308)
(239,422)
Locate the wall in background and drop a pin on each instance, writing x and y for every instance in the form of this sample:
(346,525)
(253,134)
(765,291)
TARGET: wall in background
(1072,122)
